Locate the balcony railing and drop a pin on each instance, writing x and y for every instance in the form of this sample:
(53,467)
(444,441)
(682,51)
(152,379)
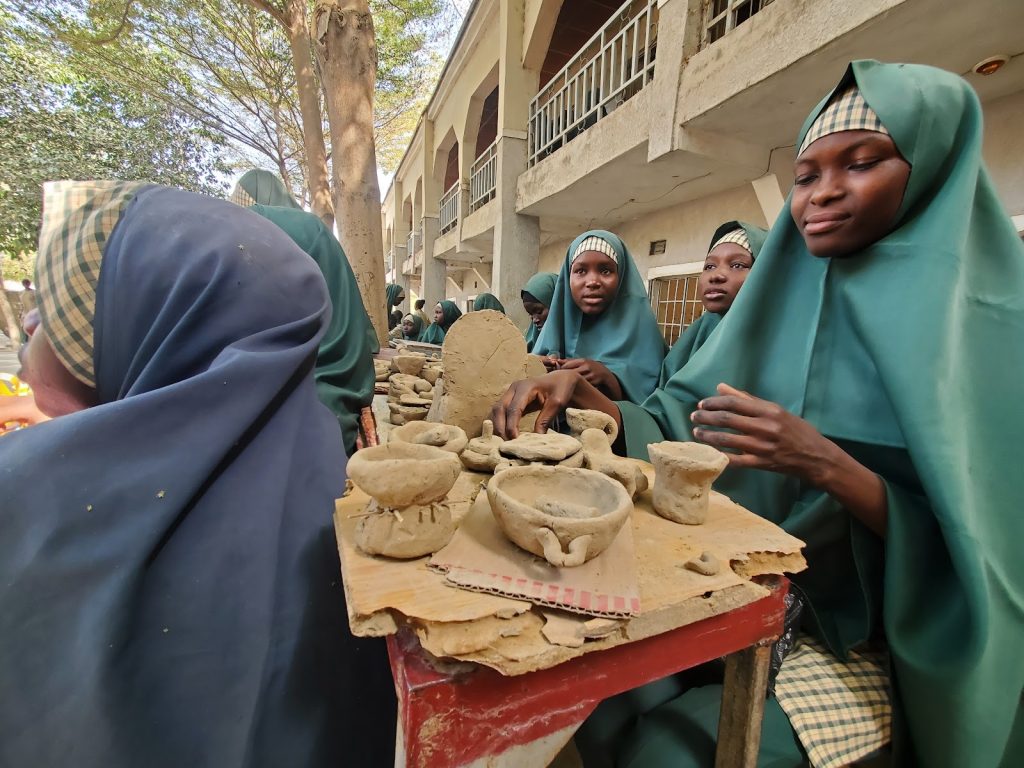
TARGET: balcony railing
(483,178)
(449,215)
(412,244)
(723,16)
(615,64)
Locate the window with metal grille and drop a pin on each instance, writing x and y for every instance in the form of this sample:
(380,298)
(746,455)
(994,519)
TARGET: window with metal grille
(721,16)
(676,304)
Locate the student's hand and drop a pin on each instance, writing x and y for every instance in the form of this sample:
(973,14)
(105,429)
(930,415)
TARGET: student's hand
(764,435)
(767,436)
(597,374)
(551,394)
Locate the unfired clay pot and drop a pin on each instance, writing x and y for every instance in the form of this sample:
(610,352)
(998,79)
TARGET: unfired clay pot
(411,363)
(567,516)
(400,474)
(683,473)
(444,436)
(406,533)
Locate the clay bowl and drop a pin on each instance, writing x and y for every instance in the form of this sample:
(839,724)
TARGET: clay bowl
(400,474)
(444,436)
(565,515)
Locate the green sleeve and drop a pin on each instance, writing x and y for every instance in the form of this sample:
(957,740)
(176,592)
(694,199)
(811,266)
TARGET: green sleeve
(639,428)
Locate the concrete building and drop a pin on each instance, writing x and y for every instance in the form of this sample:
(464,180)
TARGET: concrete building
(658,120)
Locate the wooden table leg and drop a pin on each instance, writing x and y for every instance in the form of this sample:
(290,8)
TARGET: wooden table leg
(739,726)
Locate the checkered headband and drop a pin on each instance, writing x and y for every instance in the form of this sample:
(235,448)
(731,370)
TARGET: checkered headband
(599,244)
(78,217)
(737,236)
(240,197)
(846,112)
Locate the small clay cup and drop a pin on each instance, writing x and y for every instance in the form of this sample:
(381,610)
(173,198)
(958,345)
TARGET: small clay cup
(594,509)
(400,474)
(683,474)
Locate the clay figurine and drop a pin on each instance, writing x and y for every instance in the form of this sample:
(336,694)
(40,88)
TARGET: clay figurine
(481,455)
(407,516)
(567,516)
(683,473)
(531,446)
(443,436)
(599,457)
(579,421)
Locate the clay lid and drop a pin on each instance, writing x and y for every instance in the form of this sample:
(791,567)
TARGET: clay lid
(533,447)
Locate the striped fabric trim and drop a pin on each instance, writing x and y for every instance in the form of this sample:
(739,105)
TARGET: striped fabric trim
(78,217)
(240,197)
(846,112)
(840,711)
(598,244)
(737,236)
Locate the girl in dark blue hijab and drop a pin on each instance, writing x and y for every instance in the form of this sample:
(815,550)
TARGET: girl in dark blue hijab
(169,584)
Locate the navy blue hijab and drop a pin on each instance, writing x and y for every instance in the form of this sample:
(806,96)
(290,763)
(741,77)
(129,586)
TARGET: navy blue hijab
(169,583)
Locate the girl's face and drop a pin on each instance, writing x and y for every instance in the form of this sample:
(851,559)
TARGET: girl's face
(538,312)
(56,391)
(725,270)
(848,189)
(407,325)
(593,282)
(438,314)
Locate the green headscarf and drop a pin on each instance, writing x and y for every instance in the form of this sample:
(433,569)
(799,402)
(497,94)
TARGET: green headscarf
(909,355)
(625,337)
(487,301)
(449,314)
(259,187)
(393,291)
(417,327)
(542,287)
(344,360)
(700,330)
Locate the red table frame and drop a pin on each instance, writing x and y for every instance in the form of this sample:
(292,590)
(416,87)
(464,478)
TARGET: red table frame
(454,719)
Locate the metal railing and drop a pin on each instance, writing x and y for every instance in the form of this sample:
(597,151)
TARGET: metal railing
(723,16)
(615,64)
(449,213)
(412,243)
(483,177)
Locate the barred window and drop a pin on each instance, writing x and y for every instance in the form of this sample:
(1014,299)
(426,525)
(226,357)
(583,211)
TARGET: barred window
(676,304)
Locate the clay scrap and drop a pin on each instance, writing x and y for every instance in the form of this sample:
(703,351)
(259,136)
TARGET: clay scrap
(683,474)
(443,436)
(409,395)
(483,353)
(597,449)
(407,515)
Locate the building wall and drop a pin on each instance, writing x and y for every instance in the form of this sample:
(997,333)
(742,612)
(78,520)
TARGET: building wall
(1004,149)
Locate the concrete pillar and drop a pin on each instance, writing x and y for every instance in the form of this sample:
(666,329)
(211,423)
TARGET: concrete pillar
(434,283)
(769,195)
(516,237)
(678,39)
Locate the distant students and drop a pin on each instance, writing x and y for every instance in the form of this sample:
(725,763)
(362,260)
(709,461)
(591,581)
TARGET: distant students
(445,313)
(536,296)
(488,301)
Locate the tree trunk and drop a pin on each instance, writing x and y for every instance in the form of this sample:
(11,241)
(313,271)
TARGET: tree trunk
(11,320)
(309,106)
(346,51)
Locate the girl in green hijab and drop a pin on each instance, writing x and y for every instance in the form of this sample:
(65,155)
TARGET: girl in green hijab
(732,252)
(394,295)
(873,414)
(487,301)
(259,187)
(600,323)
(412,327)
(537,295)
(445,313)
(344,363)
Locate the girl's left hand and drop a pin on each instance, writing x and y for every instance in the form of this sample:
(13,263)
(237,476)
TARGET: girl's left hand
(764,435)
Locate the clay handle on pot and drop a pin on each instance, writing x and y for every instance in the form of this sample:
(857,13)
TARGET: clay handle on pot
(553,549)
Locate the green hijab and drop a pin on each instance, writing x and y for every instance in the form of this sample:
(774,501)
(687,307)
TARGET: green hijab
(700,330)
(449,314)
(417,327)
(259,187)
(344,360)
(487,301)
(392,291)
(625,337)
(912,348)
(542,287)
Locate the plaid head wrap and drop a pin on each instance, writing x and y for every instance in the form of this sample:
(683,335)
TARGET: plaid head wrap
(78,217)
(240,197)
(848,111)
(599,244)
(737,236)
